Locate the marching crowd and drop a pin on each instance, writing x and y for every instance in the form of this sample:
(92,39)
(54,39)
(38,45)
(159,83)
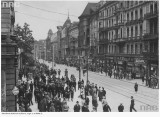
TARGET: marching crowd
(53,92)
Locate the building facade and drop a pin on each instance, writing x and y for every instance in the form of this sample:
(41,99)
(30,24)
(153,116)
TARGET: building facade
(73,41)
(9,56)
(54,42)
(64,41)
(49,46)
(128,33)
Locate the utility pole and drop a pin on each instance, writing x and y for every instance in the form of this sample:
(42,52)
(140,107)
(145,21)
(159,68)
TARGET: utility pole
(53,57)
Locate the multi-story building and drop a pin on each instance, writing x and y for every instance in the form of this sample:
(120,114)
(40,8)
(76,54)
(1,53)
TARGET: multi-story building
(94,38)
(59,29)
(64,41)
(48,46)
(42,49)
(129,34)
(84,31)
(54,42)
(36,51)
(9,57)
(73,41)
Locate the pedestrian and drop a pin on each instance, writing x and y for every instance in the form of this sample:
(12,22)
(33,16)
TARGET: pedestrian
(30,97)
(85,108)
(43,105)
(65,107)
(77,107)
(103,92)
(31,86)
(94,109)
(21,109)
(87,101)
(100,94)
(106,108)
(104,101)
(52,108)
(132,105)
(136,87)
(120,107)
(29,109)
(72,93)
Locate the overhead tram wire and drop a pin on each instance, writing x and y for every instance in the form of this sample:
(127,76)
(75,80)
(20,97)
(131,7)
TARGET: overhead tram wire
(39,17)
(48,10)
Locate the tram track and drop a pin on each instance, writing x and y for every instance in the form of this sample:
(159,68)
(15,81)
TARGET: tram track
(126,94)
(123,88)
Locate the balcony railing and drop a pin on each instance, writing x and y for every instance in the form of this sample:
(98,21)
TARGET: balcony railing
(151,15)
(150,36)
(103,41)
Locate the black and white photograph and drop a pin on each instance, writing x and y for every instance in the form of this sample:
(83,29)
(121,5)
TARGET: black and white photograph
(79,56)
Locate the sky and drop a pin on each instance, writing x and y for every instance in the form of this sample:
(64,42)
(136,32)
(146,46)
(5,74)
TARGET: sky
(44,21)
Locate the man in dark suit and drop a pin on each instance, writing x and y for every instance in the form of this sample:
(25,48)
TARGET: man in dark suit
(132,105)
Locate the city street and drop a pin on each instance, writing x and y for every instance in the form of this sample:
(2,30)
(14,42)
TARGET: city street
(117,91)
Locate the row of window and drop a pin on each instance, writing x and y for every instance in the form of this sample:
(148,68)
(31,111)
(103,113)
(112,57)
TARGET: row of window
(136,48)
(131,31)
(109,11)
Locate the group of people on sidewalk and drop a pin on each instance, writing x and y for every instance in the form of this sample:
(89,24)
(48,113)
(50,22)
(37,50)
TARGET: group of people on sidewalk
(53,92)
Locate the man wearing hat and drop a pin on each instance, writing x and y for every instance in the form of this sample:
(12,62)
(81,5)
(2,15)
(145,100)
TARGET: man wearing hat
(77,107)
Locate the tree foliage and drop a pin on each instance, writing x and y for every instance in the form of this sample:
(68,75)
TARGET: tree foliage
(25,41)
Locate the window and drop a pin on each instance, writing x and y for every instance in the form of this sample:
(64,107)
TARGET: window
(132,15)
(121,32)
(127,16)
(151,8)
(140,48)
(121,18)
(127,4)
(136,31)
(155,7)
(121,5)
(141,30)
(112,22)
(136,14)
(141,12)
(131,31)
(136,2)
(127,49)
(127,32)
(135,48)
(131,49)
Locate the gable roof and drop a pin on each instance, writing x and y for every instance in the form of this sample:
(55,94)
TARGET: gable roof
(88,8)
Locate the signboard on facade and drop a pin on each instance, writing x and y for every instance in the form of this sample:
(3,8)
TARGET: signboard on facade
(120,62)
(139,61)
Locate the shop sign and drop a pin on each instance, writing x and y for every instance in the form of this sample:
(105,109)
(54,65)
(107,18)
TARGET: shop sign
(120,62)
(139,61)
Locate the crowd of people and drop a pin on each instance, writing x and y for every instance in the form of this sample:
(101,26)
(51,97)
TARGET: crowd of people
(53,92)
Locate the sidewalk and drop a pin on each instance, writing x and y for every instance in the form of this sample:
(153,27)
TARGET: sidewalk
(139,81)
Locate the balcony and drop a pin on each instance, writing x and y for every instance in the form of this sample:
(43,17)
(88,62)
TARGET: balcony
(120,40)
(119,24)
(149,36)
(103,41)
(151,15)
(119,9)
(101,29)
